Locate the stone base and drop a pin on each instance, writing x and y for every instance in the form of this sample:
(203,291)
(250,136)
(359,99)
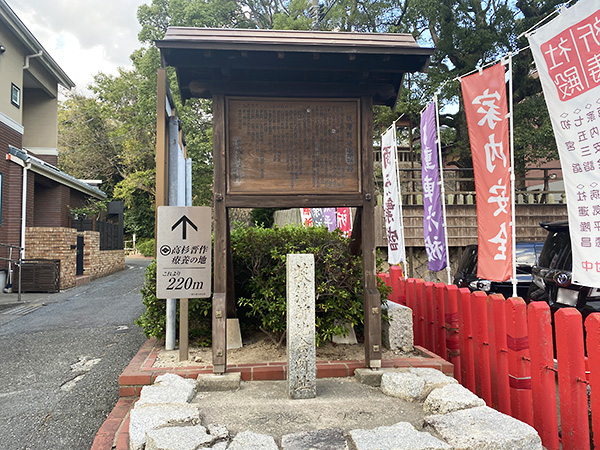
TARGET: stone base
(229,381)
(349,339)
(234,335)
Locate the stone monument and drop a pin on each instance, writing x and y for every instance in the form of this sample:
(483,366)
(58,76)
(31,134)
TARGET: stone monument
(301,347)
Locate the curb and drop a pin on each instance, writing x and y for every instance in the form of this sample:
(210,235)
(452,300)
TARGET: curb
(114,432)
(140,371)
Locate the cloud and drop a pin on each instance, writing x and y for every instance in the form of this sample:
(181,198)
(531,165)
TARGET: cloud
(83,36)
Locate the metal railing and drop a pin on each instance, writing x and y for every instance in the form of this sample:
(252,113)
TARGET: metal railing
(17,261)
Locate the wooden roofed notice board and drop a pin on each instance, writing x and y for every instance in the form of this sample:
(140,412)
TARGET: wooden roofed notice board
(292,127)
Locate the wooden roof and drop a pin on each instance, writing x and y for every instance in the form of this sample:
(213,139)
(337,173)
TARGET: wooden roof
(291,63)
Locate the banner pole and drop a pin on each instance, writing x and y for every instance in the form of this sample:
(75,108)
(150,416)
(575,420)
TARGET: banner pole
(512,174)
(442,187)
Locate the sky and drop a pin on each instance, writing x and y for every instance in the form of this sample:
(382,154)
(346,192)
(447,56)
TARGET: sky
(83,36)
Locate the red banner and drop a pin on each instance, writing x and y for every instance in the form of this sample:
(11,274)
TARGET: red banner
(484,96)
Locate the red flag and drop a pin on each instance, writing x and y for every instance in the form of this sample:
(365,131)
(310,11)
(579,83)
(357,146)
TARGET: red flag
(484,96)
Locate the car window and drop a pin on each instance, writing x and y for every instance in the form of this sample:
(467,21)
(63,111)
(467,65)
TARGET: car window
(468,261)
(526,255)
(556,253)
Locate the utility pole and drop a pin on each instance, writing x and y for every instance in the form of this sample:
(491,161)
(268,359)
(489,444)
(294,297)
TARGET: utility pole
(314,9)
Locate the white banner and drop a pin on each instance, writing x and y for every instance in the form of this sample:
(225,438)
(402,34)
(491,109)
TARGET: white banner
(567,55)
(392,203)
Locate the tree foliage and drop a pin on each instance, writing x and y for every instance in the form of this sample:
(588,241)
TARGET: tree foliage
(111,135)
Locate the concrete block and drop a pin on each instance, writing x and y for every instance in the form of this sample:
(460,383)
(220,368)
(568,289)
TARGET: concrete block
(178,438)
(350,335)
(401,436)
(247,440)
(167,388)
(152,416)
(398,332)
(209,382)
(326,439)
(404,385)
(301,346)
(234,334)
(433,379)
(484,428)
(452,397)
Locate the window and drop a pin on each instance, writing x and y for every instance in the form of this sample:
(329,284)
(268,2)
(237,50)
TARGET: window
(15,95)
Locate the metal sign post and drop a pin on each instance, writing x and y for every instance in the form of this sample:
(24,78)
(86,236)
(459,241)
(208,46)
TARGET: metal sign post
(183,259)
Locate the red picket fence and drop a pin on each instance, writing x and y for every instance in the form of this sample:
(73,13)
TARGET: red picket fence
(502,350)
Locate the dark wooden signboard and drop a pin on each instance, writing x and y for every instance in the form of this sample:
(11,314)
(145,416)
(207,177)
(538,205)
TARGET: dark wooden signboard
(293,146)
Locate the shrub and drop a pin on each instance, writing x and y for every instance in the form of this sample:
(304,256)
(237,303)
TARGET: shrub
(259,259)
(146,248)
(259,262)
(153,320)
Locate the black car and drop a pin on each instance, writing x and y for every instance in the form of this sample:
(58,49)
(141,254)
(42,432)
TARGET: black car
(552,274)
(466,275)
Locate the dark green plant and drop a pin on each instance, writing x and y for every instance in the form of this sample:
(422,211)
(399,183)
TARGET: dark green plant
(153,320)
(259,256)
(259,260)
(146,248)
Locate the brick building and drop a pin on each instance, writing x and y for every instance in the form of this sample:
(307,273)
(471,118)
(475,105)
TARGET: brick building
(29,81)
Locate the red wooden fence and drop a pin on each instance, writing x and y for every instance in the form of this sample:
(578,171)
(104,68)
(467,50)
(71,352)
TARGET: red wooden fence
(502,350)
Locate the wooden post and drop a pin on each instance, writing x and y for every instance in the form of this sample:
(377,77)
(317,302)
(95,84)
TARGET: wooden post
(161,140)
(219,329)
(372,299)
(543,377)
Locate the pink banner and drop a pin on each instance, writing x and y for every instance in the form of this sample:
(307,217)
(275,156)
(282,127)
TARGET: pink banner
(484,96)
(344,221)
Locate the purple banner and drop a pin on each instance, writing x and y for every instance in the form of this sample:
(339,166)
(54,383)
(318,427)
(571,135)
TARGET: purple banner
(433,218)
(317,216)
(330,218)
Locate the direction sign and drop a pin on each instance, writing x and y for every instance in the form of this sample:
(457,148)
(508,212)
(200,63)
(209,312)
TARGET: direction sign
(183,259)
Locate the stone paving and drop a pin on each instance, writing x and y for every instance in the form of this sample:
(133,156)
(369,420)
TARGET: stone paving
(166,418)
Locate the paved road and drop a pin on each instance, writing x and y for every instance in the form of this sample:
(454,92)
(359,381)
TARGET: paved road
(59,364)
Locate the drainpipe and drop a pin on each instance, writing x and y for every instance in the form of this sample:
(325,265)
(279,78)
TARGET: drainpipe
(26,167)
(24,208)
(28,57)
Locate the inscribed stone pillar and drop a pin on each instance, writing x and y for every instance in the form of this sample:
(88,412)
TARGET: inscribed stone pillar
(301,348)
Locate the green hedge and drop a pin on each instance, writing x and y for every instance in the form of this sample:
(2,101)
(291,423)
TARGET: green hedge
(259,261)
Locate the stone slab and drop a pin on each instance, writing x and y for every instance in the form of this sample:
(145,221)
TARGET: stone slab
(372,377)
(401,436)
(178,438)
(152,416)
(210,382)
(398,332)
(484,428)
(167,388)
(349,338)
(301,344)
(234,334)
(404,385)
(450,398)
(247,440)
(325,439)
(433,378)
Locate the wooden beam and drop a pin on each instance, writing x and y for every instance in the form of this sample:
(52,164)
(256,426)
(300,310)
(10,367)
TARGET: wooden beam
(372,300)
(293,201)
(219,329)
(162,146)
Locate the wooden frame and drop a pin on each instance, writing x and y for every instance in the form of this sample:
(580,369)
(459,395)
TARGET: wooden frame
(363,197)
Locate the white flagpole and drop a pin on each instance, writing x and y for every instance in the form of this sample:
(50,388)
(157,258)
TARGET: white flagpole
(442,187)
(512,175)
(399,198)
